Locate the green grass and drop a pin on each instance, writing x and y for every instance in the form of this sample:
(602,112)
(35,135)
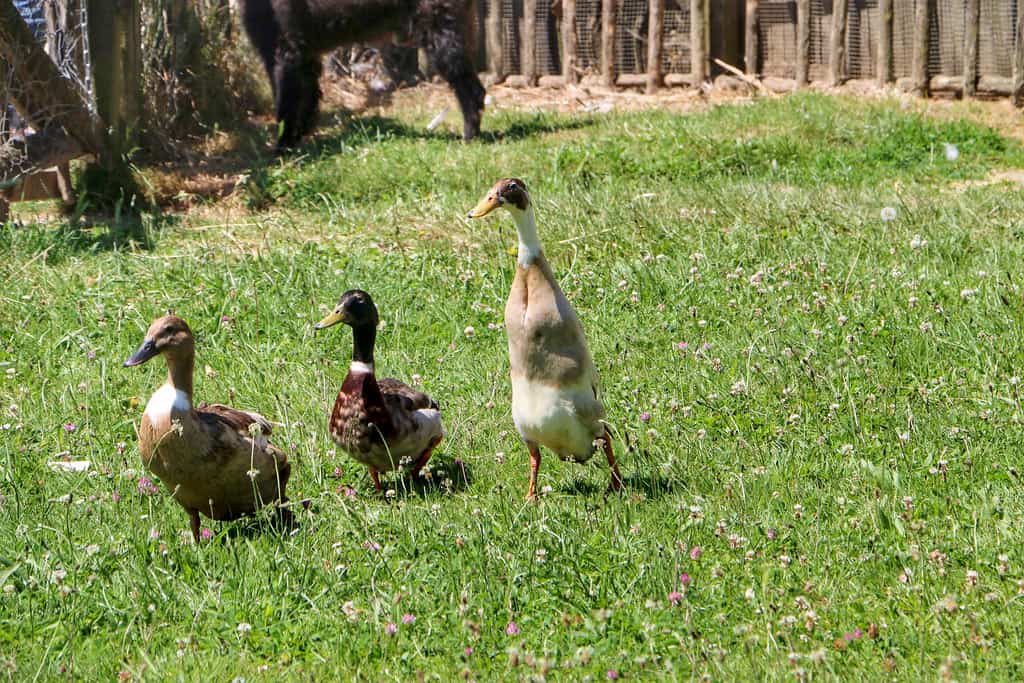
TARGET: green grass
(845,451)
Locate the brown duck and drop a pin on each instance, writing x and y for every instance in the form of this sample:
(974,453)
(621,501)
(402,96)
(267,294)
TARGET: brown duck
(555,388)
(384,424)
(215,460)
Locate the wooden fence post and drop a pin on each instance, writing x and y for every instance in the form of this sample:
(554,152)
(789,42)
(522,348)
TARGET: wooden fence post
(803,42)
(750,37)
(655,19)
(569,41)
(528,44)
(837,43)
(919,62)
(608,8)
(971,26)
(1018,62)
(698,41)
(114,41)
(884,66)
(495,52)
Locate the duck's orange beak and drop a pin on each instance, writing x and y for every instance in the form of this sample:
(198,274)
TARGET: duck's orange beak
(489,203)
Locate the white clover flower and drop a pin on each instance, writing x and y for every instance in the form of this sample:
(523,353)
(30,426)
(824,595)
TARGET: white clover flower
(918,242)
(888,213)
(244,628)
(951,151)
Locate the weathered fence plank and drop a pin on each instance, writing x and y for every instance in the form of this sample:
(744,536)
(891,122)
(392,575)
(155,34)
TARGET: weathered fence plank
(837,43)
(528,48)
(569,41)
(698,39)
(608,12)
(750,38)
(495,53)
(655,19)
(884,66)
(971,25)
(919,61)
(803,42)
(1018,62)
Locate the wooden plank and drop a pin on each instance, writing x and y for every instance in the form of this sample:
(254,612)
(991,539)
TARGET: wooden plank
(919,61)
(803,42)
(698,41)
(655,20)
(884,66)
(997,85)
(528,45)
(837,43)
(569,41)
(1018,62)
(608,11)
(495,53)
(750,39)
(971,27)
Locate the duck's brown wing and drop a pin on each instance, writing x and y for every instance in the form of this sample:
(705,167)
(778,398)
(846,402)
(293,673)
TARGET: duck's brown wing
(238,420)
(231,429)
(400,396)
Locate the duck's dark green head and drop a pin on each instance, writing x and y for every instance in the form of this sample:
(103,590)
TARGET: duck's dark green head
(355,308)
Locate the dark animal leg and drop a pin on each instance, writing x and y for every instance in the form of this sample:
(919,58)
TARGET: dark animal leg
(616,483)
(425,457)
(292,97)
(194,515)
(375,475)
(309,107)
(261,26)
(531,493)
(447,52)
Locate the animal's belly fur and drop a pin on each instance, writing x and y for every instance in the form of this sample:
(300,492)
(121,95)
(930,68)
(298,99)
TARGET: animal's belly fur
(547,415)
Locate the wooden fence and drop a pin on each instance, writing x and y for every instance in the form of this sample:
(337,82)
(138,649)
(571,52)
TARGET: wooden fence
(964,46)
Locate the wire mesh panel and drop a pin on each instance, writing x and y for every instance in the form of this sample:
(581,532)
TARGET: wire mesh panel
(675,38)
(821,29)
(862,38)
(631,37)
(511,30)
(59,26)
(588,35)
(776,38)
(902,37)
(946,27)
(548,44)
(997,20)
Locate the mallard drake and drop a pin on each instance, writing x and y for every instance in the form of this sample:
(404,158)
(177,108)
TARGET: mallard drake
(555,389)
(214,459)
(384,424)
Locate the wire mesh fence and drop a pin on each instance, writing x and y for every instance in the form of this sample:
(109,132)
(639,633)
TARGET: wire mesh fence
(776,27)
(631,37)
(675,38)
(588,35)
(862,39)
(58,27)
(997,19)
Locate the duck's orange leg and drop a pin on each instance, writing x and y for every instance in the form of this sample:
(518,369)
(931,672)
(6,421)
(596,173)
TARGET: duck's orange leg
(616,483)
(375,475)
(531,493)
(425,457)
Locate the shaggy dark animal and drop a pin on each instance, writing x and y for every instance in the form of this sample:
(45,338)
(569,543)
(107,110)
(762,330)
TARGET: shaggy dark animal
(291,35)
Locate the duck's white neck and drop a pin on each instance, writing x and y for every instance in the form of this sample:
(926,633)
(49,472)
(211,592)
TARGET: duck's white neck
(526,226)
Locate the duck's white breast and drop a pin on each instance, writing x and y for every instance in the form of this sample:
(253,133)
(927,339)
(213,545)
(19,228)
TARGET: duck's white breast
(166,400)
(549,416)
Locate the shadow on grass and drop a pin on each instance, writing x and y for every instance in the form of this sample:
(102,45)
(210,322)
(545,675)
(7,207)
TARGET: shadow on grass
(361,130)
(85,234)
(648,483)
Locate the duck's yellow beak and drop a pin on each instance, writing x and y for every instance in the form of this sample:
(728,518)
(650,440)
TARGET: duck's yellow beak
(485,205)
(333,318)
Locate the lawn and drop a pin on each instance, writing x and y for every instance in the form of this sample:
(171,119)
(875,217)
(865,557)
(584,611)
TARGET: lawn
(806,313)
